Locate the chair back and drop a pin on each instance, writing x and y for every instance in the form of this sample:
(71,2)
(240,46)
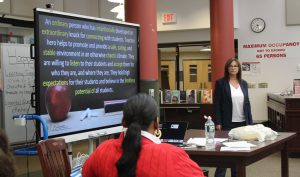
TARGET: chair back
(53,155)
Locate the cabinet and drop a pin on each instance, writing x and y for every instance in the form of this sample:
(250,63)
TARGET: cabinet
(191,113)
(284,115)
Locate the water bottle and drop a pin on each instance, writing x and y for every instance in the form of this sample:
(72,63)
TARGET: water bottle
(209,133)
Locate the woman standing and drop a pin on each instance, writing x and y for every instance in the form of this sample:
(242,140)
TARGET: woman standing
(231,103)
(138,152)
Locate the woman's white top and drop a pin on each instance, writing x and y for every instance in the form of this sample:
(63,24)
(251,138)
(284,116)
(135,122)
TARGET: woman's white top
(237,98)
(151,137)
(147,135)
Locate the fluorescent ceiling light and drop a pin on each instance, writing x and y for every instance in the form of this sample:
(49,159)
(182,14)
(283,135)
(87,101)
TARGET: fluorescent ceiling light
(1,0)
(121,15)
(118,9)
(116,1)
(206,49)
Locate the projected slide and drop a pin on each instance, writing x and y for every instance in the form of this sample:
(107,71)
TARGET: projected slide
(83,63)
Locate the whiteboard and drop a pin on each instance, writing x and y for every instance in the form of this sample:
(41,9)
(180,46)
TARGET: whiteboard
(17,81)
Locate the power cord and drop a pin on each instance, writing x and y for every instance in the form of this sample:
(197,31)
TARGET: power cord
(79,160)
(26,139)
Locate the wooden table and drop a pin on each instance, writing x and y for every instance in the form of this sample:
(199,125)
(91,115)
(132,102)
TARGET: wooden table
(240,159)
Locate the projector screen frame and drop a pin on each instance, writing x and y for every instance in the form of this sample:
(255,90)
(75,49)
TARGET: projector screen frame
(81,134)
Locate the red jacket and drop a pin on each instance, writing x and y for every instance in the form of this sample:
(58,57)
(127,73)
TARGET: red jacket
(155,160)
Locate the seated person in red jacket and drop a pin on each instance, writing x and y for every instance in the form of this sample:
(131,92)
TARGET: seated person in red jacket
(137,152)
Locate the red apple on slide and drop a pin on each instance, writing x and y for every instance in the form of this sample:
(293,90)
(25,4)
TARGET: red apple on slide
(58,102)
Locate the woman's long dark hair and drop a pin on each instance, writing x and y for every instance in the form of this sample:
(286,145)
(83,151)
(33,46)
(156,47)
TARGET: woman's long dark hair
(138,113)
(227,65)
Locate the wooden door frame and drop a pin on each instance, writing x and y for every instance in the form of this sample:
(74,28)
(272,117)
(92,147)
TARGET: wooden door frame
(183,85)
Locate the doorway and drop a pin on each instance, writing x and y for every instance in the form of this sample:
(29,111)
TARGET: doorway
(197,74)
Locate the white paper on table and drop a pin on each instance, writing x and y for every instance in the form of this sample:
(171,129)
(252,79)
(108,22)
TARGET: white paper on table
(202,141)
(239,144)
(224,148)
(220,140)
(196,141)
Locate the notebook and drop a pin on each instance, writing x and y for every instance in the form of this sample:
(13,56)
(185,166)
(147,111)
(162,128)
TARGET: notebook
(173,132)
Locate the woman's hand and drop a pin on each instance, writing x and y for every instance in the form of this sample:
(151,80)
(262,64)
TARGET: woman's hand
(218,127)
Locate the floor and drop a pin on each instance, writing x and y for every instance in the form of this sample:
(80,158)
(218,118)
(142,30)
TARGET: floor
(267,167)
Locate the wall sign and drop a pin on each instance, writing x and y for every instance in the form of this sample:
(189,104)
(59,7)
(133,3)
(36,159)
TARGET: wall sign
(251,68)
(272,50)
(168,18)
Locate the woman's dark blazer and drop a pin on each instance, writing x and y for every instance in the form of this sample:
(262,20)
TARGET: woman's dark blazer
(223,103)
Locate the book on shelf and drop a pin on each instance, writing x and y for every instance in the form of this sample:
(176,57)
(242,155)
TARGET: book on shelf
(182,96)
(206,96)
(175,96)
(167,96)
(191,95)
(161,98)
(199,95)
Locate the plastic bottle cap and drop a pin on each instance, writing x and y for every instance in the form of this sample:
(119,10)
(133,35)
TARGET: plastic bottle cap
(207,117)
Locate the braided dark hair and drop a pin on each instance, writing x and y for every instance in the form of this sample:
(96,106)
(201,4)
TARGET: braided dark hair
(138,113)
